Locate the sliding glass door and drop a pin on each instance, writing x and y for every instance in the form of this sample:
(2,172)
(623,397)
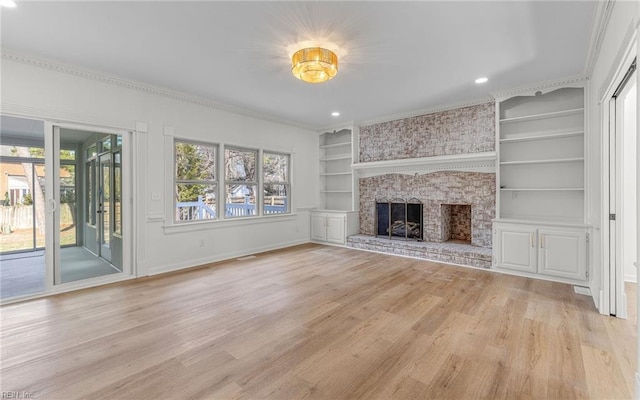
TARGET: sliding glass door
(62,219)
(23,222)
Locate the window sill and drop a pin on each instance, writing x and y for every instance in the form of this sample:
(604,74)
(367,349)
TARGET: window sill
(226,223)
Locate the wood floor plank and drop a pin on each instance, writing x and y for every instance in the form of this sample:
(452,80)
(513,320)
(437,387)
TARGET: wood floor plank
(318,322)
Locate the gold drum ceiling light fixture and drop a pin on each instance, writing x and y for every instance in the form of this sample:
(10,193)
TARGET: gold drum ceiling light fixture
(314,64)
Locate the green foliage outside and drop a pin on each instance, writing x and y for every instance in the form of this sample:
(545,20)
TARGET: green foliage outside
(27,200)
(38,152)
(194,163)
(195,169)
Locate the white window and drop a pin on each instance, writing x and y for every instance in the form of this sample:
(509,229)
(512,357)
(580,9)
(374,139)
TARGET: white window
(196,184)
(241,184)
(277,188)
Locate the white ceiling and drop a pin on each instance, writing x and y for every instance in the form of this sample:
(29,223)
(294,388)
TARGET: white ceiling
(398,56)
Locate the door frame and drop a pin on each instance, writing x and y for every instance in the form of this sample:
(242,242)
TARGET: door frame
(611,277)
(128,207)
(618,302)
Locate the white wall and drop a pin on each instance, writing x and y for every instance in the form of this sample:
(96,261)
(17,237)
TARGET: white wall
(35,89)
(622,22)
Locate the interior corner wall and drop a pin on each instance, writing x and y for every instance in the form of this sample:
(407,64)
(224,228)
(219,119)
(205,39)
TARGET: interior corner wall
(45,91)
(622,20)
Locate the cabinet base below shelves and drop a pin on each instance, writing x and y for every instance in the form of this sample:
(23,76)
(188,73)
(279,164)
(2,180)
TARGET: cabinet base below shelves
(568,222)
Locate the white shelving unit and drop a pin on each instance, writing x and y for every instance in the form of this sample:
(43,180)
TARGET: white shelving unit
(336,177)
(541,156)
(336,219)
(540,226)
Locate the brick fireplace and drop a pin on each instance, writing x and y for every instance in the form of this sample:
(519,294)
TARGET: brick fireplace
(440,193)
(446,161)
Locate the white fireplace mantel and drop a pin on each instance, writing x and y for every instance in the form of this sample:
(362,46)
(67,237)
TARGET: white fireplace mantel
(475,162)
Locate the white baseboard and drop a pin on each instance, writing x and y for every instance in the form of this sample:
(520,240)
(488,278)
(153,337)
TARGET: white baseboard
(600,302)
(583,290)
(221,257)
(623,312)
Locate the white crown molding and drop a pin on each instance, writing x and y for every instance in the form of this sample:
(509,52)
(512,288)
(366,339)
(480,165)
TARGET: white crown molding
(474,162)
(425,111)
(348,125)
(19,110)
(571,81)
(598,30)
(115,80)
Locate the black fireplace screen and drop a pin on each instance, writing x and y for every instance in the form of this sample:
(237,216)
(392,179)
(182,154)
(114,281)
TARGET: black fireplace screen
(399,219)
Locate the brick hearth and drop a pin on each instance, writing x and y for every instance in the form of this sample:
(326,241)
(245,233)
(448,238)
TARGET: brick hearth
(448,252)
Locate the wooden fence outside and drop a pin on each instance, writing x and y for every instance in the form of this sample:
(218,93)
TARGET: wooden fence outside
(21,217)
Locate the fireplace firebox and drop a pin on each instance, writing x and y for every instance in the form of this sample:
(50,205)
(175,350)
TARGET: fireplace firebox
(399,218)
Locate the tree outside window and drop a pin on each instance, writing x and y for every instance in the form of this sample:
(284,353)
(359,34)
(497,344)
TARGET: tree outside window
(275,168)
(196,181)
(241,184)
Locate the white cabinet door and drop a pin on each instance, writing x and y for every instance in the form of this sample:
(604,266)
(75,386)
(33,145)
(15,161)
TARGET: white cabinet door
(336,229)
(319,227)
(563,253)
(516,248)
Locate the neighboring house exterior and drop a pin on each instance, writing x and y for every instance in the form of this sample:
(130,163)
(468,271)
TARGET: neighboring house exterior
(14,185)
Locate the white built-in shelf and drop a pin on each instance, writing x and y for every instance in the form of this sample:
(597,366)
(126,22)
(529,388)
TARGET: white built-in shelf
(334,145)
(525,189)
(542,137)
(335,158)
(553,161)
(335,173)
(534,117)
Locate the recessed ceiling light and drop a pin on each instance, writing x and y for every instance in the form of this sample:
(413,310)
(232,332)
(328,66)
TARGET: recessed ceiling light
(8,3)
(335,114)
(482,80)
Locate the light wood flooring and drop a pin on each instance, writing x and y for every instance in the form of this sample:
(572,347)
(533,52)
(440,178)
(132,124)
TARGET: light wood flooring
(316,322)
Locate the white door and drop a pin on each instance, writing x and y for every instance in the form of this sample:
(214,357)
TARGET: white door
(104,209)
(516,248)
(335,229)
(562,253)
(319,227)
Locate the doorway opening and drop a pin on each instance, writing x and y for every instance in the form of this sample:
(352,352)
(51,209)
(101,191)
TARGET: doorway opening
(61,210)
(623,184)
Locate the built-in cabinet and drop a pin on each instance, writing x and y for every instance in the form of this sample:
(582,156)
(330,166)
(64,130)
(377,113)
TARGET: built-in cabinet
(540,215)
(336,219)
(329,226)
(552,251)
